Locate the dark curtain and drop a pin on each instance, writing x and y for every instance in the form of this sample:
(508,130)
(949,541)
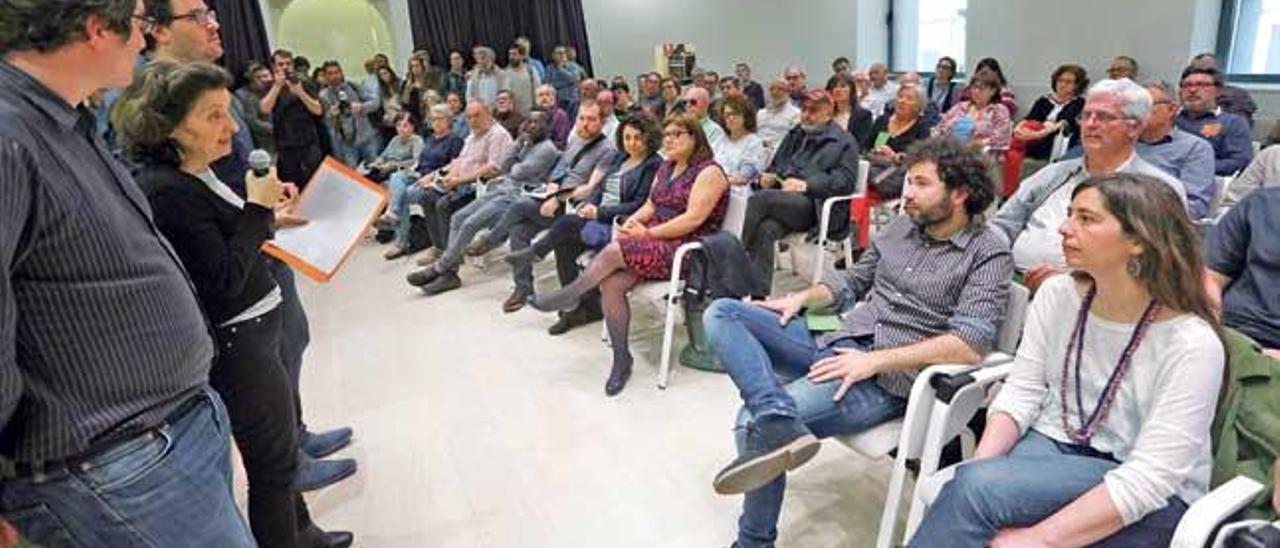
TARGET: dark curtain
(443,25)
(244,34)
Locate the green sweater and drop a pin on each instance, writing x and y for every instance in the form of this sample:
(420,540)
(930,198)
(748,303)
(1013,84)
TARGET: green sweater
(1246,430)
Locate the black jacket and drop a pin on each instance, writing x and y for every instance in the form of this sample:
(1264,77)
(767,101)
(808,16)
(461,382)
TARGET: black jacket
(828,161)
(218,244)
(635,186)
(860,122)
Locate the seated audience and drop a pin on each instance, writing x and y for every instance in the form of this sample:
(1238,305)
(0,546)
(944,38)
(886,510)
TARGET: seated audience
(688,201)
(1231,99)
(1113,116)
(893,133)
(564,79)
(1263,171)
(671,93)
(742,154)
(929,112)
(981,119)
(751,88)
(407,187)
(797,85)
(346,110)
(506,113)
(697,104)
(943,91)
(1051,125)
(1117,463)
(480,159)
(402,150)
(560,123)
(817,160)
(1123,66)
(175,121)
(777,117)
(1184,156)
(935,280)
(847,114)
(1229,134)
(459,117)
(530,160)
(881,91)
(1006,96)
(619,186)
(651,95)
(1240,253)
(569,183)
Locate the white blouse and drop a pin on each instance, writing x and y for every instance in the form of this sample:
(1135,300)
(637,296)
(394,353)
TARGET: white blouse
(1158,427)
(745,156)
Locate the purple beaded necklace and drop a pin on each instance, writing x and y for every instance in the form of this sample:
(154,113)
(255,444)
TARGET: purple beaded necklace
(1088,427)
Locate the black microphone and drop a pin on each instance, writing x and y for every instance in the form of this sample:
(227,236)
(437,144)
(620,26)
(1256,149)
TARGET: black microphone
(260,162)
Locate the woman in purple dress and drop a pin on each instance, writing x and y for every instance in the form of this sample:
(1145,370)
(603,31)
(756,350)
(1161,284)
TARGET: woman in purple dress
(688,201)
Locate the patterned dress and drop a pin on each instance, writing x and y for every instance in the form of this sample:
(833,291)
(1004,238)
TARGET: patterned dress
(651,258)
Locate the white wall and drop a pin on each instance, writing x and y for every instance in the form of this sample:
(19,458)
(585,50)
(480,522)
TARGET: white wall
(768,34)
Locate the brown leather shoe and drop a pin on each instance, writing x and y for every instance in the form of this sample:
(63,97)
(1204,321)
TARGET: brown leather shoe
(516,301)
(430,256)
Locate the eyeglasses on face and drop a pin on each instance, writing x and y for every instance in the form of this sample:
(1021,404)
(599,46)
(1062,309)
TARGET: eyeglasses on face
(1098,116)
(203,17)
(674,134)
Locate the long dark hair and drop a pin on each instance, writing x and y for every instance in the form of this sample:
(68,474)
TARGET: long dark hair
(1171,267)
(155,104)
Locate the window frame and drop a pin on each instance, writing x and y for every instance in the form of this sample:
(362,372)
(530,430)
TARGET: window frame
(1225,43)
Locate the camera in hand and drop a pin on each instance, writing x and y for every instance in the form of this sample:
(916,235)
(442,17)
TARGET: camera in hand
(344,102)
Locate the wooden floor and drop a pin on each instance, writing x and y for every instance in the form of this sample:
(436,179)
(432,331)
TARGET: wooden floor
(475,428)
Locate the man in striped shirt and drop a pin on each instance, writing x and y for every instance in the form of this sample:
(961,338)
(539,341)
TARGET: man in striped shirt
(935,282)
(105,409)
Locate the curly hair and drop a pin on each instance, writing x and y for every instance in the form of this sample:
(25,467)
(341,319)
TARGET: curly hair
(960,166)
(648,128)
(740,104)
(46,25)
(1082,77)
(154,105)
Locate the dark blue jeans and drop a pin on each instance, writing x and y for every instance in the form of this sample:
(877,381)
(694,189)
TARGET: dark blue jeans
(768,363)
(168,487)
(1037,478)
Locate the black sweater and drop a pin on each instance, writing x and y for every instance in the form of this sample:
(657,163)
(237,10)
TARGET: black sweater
(218,244)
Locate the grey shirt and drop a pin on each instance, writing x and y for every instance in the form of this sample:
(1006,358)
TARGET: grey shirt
(347,126)
(917,288)
(101,335)
(581,158)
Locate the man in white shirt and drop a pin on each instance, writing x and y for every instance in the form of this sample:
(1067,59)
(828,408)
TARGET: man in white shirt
(1113,117)
(881,92)
(777,117)
(697,103)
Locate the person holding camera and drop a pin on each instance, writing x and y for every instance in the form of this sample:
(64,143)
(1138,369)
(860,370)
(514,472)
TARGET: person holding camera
(175,120)
(292,105)
(346,106)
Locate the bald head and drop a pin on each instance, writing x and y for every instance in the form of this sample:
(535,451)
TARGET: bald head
(606,100)
(698,100)
(545,97)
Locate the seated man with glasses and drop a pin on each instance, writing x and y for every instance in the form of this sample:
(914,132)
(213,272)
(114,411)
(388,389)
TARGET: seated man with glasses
(1114,114)
(1180,154)
(1228,133)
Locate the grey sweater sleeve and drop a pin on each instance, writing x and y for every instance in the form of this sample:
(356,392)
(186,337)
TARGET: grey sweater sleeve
(536,165)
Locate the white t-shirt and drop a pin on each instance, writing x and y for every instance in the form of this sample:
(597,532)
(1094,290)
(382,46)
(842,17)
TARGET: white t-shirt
(1158,427)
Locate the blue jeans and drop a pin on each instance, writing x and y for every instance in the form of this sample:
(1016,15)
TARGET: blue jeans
(405,191)
(768,363)
(1037,478)
(168,487)
(353,154)
(484,212)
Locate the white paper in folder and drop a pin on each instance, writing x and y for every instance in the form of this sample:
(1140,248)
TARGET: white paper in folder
(339,206)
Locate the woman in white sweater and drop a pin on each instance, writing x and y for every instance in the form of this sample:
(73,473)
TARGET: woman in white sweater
(1100,435)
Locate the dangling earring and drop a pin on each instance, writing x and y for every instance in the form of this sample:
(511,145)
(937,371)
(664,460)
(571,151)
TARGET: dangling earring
(1134,267)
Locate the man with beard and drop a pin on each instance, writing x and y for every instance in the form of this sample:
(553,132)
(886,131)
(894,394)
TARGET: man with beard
(259,81)
(816,160)
(936,282)
(777,117)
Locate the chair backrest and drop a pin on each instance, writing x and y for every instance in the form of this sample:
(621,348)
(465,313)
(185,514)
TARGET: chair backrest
(1015,315)
(864,172)
(1220,185)
(736,214)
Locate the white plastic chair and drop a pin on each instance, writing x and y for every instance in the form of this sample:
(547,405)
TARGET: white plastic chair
(795,241)
(667,292)
(943,398)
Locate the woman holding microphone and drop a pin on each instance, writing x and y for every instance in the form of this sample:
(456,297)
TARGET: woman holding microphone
(174,120)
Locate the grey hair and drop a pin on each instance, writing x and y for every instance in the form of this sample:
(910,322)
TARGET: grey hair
(796,68)
(486,50)
(922,99)
(441,110)
(1137,100)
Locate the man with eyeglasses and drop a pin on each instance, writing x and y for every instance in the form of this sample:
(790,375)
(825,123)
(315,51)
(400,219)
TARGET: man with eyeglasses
(1113,116)
(796,85)
(106,413)
(1180,154)
(1228,133)
(1233,99)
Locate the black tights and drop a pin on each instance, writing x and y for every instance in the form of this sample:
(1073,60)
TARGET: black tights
(608,271)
